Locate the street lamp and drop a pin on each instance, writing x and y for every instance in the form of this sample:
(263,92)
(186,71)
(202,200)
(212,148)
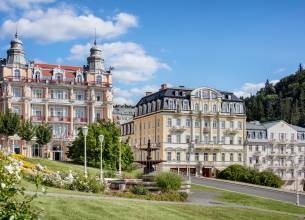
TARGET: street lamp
(85,133)
(101,139)
(120,159)
(190,151)
(296,181)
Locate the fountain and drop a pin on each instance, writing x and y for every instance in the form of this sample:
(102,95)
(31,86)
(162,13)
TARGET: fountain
(149,162)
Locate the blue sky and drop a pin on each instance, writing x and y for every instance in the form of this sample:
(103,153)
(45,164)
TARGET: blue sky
(229,45)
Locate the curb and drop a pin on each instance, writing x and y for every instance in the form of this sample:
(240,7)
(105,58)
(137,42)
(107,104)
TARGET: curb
(252,185)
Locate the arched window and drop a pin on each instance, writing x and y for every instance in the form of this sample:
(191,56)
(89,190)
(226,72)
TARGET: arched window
(214,108)
(17,73)
(206,107)
(99,79)
(79,78)
(59,76)
(196,107)
(37,75)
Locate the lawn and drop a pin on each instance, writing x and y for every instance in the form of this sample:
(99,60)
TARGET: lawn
(61,166)
(247,200)
(75,208)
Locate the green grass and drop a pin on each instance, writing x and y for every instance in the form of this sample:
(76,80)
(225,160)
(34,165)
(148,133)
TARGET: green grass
(60,208)
(61,166)
(254,201)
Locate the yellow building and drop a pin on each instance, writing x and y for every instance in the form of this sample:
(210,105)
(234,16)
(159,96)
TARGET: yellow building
(65,97)
(199,128)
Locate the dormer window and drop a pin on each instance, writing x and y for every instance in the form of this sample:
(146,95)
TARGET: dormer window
(37,75)
(16,73)
(59,76)
(99,79)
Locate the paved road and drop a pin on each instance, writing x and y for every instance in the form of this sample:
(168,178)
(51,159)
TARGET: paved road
(252,190)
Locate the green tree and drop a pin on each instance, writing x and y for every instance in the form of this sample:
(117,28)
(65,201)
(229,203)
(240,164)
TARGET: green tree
(43,134)
(111,147)
(26,132)
(9,124)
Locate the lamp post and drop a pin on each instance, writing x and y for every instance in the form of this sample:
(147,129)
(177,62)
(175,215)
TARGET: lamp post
(101,139)
(85,133)
(120,159)
(296,182)
(189,162)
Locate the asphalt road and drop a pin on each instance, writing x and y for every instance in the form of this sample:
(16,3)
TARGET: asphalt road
(251,190)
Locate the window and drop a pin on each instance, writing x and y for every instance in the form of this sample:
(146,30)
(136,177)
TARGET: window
(214,124)
(239,157)
(214,139)
(206,123)
(264,148)
(98,116)
(188,123)
(37,93)
(98,96)
(231,140)
(178,122)
(17,92)
(16,109)
(250,147)
(272,135)
(169,156)
(58,112)
(214,156)
(196,139)
(185,105)
(223,139)
(240,125)
(188,139)
(256,148)
(59,76)
(169,122)
(197,156)
(79,112)
(232,124)
(178,136)
(239,140)
(223,157)
(205,156)
(196,107)
(59,94)
(99,79)
(169,138)
(205,108)
(80,95)
(196,124)
(36,111)
(178,156)
(214,108)
(79,78)
(37,75)
(231,157)
(223,124)
(16,73)
(250,160)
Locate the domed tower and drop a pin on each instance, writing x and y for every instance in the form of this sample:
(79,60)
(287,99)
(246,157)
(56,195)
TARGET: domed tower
(95,60)
(15,54)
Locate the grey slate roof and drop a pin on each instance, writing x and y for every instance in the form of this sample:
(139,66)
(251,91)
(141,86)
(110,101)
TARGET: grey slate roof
(254,125)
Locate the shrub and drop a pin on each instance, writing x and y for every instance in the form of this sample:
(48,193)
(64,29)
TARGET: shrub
(13,203)
(168,181)
(139,190)
(243,174)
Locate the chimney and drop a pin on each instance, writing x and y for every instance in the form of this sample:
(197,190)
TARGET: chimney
(148,93)
(163,86)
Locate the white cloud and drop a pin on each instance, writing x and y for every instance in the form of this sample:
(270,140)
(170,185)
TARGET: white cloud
(130,61)
(280,70)
(131,96)
(249,89)
(63,23)
(10,5)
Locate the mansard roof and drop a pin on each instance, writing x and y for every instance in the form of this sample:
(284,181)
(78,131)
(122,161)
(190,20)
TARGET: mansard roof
(168,92)
(47,69)
(256,125)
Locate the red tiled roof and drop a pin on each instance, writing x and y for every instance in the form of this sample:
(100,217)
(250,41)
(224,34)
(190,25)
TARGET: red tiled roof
(47,72)
(52,66)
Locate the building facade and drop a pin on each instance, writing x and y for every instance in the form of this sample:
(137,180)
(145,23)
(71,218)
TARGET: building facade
(123,113)
(65,97)
(201,129)
(279,147)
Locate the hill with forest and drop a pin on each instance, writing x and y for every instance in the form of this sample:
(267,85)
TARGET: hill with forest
(284,100)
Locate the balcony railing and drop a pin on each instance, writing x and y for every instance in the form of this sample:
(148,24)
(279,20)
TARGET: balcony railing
(177,128)
(58,118)
(52,81)
(38,118)
(77,119)
(231,131)
(203,146)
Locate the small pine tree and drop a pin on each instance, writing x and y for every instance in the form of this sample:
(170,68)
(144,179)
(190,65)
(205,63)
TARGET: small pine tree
(26,132)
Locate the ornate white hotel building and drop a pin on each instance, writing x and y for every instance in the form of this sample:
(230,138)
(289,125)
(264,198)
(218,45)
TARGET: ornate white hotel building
(279,147)
(65,97)
(207,124)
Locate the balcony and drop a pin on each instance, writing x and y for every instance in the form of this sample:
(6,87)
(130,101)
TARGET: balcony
(231,131)
(206,130)
(177,129)
(58,119)
(80,120)
(38,118)
(257,153)
(202,146)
